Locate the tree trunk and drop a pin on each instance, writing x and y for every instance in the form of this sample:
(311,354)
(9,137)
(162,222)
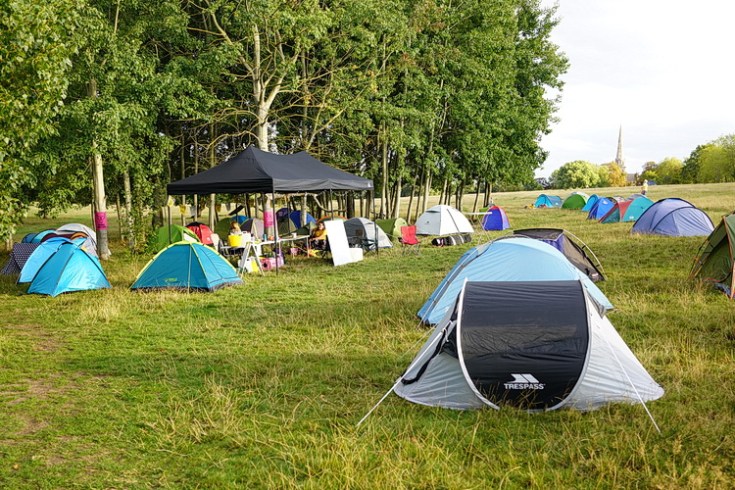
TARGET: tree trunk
(100,205)
(195,197)
(118,208)
(410,198)
(477,196)
(460,195)
(183,166)
(98,184)
(130,224)
(384,183)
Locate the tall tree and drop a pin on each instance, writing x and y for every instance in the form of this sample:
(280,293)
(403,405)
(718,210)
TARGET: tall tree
(576,174)
(717,160)
(668,171)
(117,95)
(37,40)
(690,171)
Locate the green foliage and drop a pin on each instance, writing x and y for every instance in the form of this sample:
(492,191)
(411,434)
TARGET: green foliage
(648,175)
(448,92)
(616,176)
(603,173)
(717,161)
(668,171)
(36,43)
(576,174)
(690,171)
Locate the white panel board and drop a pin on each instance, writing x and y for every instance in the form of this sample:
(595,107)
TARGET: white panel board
(338,244)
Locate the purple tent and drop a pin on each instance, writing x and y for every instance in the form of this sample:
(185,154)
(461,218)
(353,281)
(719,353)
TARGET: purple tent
(495,219)
(674,217)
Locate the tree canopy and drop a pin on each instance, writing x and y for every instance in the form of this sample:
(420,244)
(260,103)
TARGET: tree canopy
(420,96)
(576,174)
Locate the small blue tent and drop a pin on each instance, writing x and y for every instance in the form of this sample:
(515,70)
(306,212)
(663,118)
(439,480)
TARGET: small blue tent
(507,259)
(495,219)
(187,265)
(295,217)
(546,201)
(39,257)
(601,207)
(674,217)
(69,269)
(298,222)
(590,203)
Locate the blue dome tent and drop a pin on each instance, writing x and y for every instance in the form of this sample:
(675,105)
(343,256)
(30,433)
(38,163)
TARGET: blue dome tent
(590,202)
(507,259)
(674,217)
(495,219)
(187,265)
(601,208)
(39,257)
(295,217)
(69,269)
(546,201)
(38,237)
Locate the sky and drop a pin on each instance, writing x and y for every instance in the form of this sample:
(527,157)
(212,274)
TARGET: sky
(662,70)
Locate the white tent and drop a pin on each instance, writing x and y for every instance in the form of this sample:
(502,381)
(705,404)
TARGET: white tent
(90,243)
(442,220)
(539,345)
(362,232)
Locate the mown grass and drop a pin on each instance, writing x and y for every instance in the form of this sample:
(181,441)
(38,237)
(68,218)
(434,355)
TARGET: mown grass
(261,386)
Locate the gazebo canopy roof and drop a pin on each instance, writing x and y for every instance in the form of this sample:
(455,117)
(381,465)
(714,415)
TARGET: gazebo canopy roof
(257,171)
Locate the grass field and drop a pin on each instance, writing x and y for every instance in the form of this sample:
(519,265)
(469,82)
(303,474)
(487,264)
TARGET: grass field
(261,386)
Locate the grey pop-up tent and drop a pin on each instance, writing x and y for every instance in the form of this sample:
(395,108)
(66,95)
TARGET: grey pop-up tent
(540,345)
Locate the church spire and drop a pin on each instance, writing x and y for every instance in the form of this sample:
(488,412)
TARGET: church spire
(619,156)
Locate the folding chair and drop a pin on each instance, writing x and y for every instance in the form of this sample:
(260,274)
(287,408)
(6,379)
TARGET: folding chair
(408,239)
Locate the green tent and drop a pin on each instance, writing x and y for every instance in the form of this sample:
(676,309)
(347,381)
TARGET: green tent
(391,227)
(715,263)
(576,200)
(166,235)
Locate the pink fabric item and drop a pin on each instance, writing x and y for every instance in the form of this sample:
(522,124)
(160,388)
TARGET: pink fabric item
(100,220)
(268,218)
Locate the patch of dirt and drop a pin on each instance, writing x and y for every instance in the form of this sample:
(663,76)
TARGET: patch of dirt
(33,389)
(31,425)
(43,340)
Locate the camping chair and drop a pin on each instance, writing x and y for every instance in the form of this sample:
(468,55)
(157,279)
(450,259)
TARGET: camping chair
(408,239)
(360,240)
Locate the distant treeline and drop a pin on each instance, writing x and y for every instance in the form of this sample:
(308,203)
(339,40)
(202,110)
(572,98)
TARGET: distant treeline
(708,163)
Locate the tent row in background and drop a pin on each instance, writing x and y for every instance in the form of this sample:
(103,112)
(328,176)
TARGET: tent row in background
(669,217)
(674,217)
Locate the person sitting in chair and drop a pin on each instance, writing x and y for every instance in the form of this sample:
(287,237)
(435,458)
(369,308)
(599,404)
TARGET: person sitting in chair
(235,228)
(318,237)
